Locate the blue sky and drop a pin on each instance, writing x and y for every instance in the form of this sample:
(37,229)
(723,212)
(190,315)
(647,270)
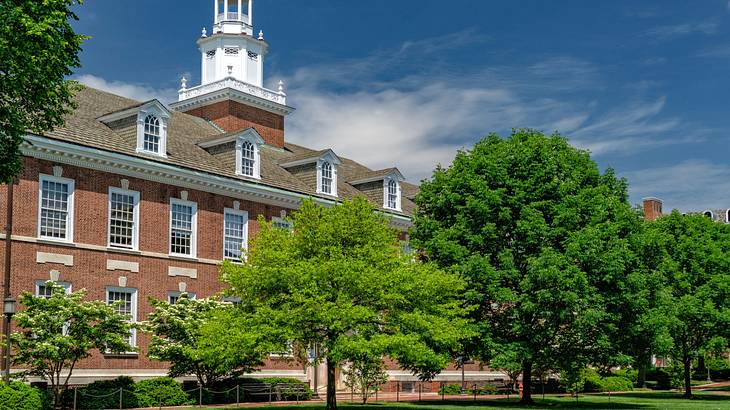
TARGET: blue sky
(644,85)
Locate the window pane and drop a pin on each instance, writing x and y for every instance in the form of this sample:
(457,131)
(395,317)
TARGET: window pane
(247,159)
(392,195)
(235,235)
(152,134)
(327,178)
(181,235)
(125,306)
(54,209)
(121,220)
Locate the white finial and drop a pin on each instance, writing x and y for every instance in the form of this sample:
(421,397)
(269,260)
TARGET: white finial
(204,33)
(261,35)
(281,87)
(184,83)
(230,69)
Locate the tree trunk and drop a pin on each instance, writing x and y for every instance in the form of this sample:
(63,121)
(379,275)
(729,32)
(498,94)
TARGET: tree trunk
(687,377)
(641,378)
(331,386)
(526,383)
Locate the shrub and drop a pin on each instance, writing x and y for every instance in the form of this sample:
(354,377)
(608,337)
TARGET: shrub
(163,391)
(253,390)
(484,390)
(104,394)
(615,383)
(18,396)
(591,380)
(628,373)
(450,389)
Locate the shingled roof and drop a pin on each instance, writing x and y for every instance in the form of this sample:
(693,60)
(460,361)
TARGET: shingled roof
(185,134)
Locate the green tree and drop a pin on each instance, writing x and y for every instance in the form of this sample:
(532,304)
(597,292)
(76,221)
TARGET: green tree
(195,336)
(59,331)
(38,48)
(339,281)
(542,237)
(365,374)
(693,254)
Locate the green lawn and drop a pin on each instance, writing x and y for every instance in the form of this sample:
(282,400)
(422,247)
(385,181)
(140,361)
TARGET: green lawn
(621,401)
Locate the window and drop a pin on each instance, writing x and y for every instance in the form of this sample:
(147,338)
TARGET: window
(173,297)
(152,134)
(123,219)
(392,193)
(234,235)
(231,50)
(326,178)
(55,220)
(45,291)
(281,223)
(125,303)
(183,224)
(248,159)
(210,53)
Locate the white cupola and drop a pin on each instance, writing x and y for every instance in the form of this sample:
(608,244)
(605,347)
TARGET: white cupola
(233,17)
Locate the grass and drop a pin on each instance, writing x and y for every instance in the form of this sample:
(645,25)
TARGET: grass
(637,400)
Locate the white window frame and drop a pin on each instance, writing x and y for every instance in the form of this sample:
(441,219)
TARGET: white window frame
(386,182)
(281,221)
(333,164)
(133,319)
(194,228)
(244,215)
(136,218)
(69,210)
(171,294)
(256,141)
(39,283)
(162,118)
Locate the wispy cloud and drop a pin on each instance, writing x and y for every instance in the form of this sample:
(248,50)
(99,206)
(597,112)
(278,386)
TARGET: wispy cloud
(668,32)
(138,92)
(692,185)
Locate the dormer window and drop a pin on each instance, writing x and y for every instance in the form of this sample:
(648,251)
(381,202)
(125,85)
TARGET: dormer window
(392,192)
(392,202)
(248,157)
(326,179)
(152,134)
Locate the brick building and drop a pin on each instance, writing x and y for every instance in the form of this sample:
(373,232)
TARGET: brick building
(132,200)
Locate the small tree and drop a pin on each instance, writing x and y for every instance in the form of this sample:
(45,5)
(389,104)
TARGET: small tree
(508,362)
(195,336)
(62,329)
(364,375)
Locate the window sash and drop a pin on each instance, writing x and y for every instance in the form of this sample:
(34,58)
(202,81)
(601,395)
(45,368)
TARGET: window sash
(123,219)
(327,178)
(182,228)
(55,208)
(234,234)
(248,159)
(392,195)
(128,307)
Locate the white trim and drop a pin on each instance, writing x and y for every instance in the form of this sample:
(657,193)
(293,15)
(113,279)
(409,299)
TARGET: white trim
(711,216)
(254,139)
(244,214)
(156,104)
(136,217)
(320,181)
(133,319)
(194,228)
(47,257)
(328,155)
(386,193)
(69,210)
(727,216)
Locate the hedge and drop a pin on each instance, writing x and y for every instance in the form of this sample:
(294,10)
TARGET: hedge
(163,391)
(18,396)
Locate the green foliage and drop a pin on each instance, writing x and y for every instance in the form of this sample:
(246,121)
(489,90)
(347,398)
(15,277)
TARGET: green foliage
(163,391)
(38,48)
(692,253)
(365,375)
(197,336)
(18,396)
(254,390)
(104,394)
(615,383)
(545,242)
(339,281)
(57,332)
(627,373)
(450,389)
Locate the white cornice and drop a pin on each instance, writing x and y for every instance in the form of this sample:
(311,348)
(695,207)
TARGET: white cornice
(247,133)
(224,90)
(314,158)
(161,109)
(395,174)
(150,170)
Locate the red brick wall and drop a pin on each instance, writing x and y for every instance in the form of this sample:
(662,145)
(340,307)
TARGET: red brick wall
(235,116)
(90,228)
(652,208)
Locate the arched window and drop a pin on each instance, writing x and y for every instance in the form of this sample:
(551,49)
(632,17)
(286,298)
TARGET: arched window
(727,216)
(709,214)
(326,178)
(392,194)
(152,134)
(248,159)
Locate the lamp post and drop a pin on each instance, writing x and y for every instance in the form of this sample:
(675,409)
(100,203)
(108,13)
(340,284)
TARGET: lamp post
(8,311)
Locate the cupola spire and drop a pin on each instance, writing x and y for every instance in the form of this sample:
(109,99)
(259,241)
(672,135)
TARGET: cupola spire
(233,16)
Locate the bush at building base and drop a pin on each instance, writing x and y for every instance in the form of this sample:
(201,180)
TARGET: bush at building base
(18,396)
(163,391)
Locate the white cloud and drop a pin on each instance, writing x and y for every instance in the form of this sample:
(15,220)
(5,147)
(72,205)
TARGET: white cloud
(678,30)
(134,91)
(691,185)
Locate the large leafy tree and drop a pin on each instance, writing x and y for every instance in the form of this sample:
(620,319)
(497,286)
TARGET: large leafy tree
(195,337)
(693,254)
(339,281)
(59,331)
(542,237)
(38,48)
